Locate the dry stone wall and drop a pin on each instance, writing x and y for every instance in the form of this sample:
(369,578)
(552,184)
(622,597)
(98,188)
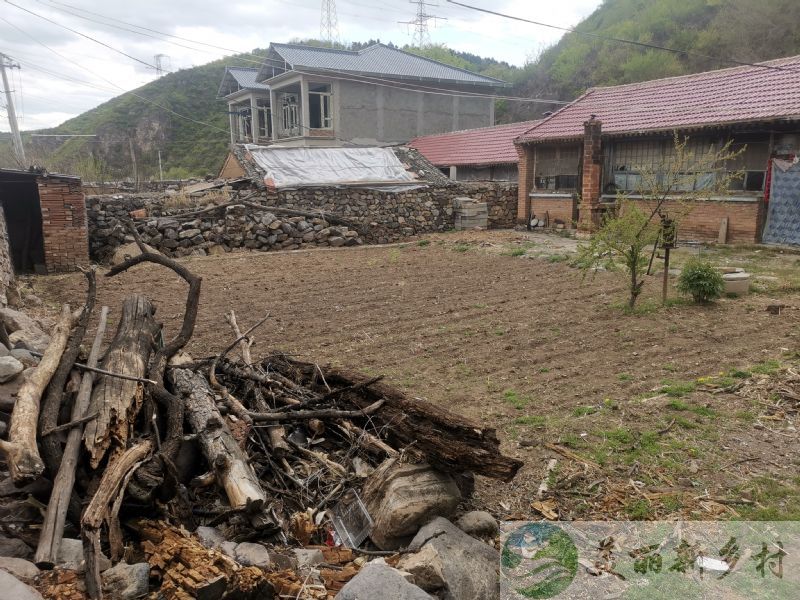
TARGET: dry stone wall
(6,266)
(374,217)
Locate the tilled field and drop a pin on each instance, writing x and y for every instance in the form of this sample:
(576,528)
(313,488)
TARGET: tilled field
(531,346)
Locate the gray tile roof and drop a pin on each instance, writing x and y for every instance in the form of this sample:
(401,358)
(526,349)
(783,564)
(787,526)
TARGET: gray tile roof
(246,78)
(378,59)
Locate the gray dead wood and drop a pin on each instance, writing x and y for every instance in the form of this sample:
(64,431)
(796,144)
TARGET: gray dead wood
(229,462)
(21,449)
(117,401)
(53,527)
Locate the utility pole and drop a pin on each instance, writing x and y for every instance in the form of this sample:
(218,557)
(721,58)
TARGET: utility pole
(133,164)
(160,170)
(329,22)
(19,150)
(161,60)
(422,37)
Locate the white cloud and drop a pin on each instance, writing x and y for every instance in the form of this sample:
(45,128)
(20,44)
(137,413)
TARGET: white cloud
(47,92)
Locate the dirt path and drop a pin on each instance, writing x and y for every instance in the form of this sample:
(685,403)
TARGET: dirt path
(524,343)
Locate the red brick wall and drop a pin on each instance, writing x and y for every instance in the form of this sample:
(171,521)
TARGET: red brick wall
(592,173)
(704,217)
(525,180)
(558,208)
(66,244)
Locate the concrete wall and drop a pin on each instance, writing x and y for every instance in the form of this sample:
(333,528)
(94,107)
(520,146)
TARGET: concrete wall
(371,114)
(380,218)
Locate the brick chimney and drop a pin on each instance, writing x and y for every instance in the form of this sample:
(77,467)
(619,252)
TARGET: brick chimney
(589,211)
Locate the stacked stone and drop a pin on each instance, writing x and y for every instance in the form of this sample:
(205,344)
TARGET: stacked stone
(240,228)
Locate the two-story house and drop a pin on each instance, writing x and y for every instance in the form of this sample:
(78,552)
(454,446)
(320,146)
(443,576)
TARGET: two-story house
(306,96)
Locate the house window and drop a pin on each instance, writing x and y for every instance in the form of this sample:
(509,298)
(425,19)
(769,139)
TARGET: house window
(290,118)
(264,122)
(319,106)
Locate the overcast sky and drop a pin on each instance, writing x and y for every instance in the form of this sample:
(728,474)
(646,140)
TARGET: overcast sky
(50,89)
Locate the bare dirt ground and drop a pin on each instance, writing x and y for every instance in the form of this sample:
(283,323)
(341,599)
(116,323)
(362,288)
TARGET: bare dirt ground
(643,412)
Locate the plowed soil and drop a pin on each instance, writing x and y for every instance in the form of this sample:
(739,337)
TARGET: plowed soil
(525,343)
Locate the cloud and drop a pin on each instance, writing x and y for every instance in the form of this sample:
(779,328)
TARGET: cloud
(51,88)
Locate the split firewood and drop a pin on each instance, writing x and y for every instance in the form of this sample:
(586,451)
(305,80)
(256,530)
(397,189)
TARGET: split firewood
(101,510)
(244,341)
(55,517)
(118,400)
(21,449)
(231,465)
(51,404)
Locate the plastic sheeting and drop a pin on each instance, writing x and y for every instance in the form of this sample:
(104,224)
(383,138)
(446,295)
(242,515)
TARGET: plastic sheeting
(303,167)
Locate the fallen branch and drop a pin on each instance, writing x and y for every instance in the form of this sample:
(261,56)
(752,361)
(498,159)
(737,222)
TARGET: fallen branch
(21,449)
(323,413)
(571,455)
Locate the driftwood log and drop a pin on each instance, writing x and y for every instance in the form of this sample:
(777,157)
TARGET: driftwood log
(21,449)
(55,517)
(231,465)
(426,431)
(118,400)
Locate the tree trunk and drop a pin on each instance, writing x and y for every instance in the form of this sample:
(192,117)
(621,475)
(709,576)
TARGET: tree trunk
(117,401)
(56,515)
(21,450)
(229,462)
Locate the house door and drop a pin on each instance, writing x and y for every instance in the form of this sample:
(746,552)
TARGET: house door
(19,200)
(783,212)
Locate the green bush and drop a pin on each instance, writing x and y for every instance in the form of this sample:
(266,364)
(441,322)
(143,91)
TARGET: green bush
(701,280)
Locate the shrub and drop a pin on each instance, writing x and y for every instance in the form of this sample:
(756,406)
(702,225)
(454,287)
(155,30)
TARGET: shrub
(701,280)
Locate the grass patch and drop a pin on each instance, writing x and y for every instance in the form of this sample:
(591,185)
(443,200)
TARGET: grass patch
(460,247)
(779,501)
(531,420)
(768,367)
(638,510)
(625,377)
(515,400)
(557,258)
(677,389)
(515,252)
(739,374)
(423,243)
(671,368)
(582,411)
(544,370)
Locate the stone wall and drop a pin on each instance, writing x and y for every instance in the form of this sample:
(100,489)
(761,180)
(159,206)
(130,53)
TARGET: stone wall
(373,217)
(6,266)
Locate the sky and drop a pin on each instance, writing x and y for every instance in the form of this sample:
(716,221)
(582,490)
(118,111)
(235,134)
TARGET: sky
(63,74)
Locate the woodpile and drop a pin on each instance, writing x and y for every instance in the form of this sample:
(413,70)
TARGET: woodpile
(222,477)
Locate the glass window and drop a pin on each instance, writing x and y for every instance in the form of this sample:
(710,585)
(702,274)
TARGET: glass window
(319,106)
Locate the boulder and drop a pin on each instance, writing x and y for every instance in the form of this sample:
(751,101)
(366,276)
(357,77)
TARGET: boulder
(25,357)
(3,350)
(210,537)
(308,557)
(8,391)
(14,548)
(10,367)
(126,251)
(380,581)
(402,497)
(19,567)
(126,582)
(70,556)
(478,523)
(13,588)
(31,339)
(251,555)
(16,320)
(452,564)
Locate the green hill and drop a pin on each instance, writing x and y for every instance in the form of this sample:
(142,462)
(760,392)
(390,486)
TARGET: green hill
(739,29)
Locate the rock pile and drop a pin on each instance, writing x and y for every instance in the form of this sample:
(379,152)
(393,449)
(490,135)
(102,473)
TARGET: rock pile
(24,335)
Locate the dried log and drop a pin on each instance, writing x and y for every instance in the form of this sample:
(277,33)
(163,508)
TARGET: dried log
(118,400)
(149,478)
(100,510)
(51,405)
(56,515)
(231,466)
(425,430)
(322,413)
(21,450)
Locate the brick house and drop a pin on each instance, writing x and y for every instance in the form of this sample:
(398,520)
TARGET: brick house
(45,215)
(575,162)
(485,153)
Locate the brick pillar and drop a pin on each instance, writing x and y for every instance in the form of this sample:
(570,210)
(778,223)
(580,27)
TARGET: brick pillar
(525,180)
(589,210)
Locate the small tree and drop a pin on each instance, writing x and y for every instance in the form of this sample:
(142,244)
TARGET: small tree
(686,172)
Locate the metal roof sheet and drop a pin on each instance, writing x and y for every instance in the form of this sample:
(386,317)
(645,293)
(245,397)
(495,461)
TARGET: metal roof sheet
(727,96)
(378,59)
(482,146)
(246,78)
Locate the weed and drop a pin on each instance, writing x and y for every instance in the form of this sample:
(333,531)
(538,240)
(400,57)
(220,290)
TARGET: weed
(499,331)
(515,400)
(625,377)
(572,441)
(739,373)
(557,258)
(768,367)
(677,405)
(531,420)
(516,252)
(672,503)
(479,306)
(774,500)
(677,389)
(582,411)
(684,423)
(544,370)
(394,255)
(461,247)
(423,243)
(670,368)
(638,510)
(610,404)
(746,416)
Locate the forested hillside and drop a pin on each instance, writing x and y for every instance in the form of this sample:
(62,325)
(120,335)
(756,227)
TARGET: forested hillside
(744,30)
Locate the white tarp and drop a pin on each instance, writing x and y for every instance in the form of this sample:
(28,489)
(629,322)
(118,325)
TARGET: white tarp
(298,167)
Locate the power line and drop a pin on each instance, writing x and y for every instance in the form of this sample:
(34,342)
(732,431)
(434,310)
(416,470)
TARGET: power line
(619,40)
(83,35)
